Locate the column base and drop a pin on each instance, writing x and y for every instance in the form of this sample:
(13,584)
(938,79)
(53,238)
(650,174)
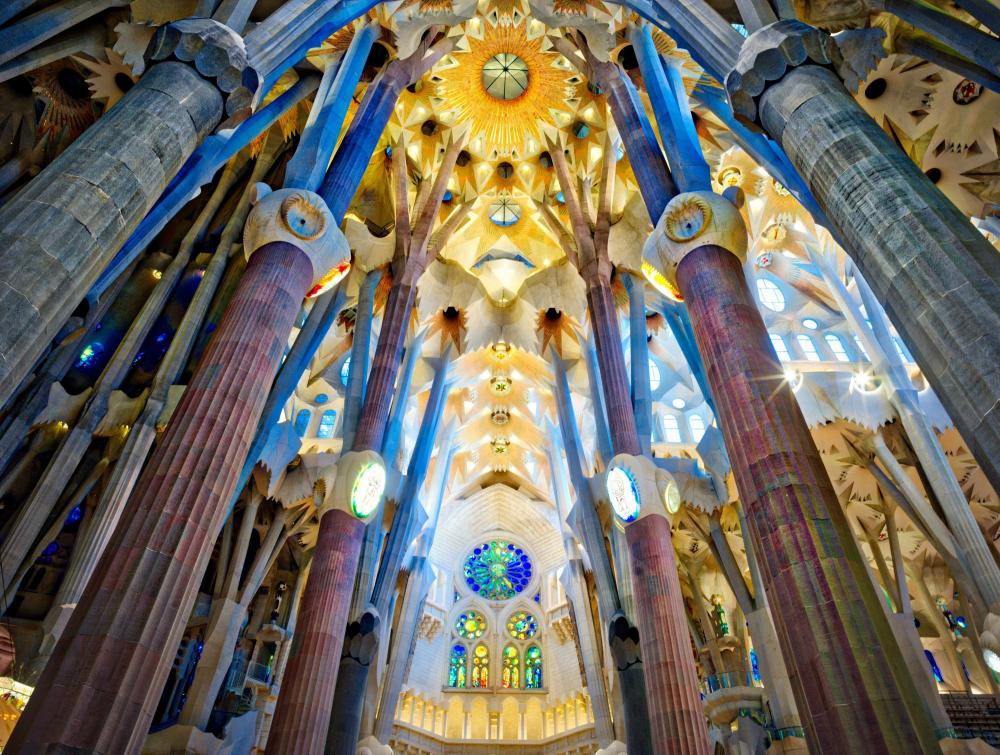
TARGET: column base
(371,746)
(615,748)
(181,739)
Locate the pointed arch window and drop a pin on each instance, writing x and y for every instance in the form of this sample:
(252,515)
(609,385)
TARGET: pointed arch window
(326,424)
(481,667)
(533,668)
(457,664)
(302,420)
(511,668)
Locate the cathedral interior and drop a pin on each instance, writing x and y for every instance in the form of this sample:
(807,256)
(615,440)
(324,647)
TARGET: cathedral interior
(542,377)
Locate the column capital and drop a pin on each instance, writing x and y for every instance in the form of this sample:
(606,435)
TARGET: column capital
(637,488)
(301,218)
(215,51)
(771,52)
(692,220)
(355,485)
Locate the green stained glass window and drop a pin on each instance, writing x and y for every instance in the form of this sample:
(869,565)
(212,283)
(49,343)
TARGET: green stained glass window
(497,570)
(457,667)
(533,668)
(471,625)
(522,626)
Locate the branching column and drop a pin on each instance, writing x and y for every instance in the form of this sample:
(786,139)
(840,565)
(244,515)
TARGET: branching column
(100,690)
(674,729)
(302,718)
(850,682)
(933,271)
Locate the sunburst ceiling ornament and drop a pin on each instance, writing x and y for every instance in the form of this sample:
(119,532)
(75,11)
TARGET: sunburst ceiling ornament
(506,85)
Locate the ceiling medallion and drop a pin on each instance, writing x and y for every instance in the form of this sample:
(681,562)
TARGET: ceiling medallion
(501,350)
(506,84)
(500,385)
(500,445)
(500,417)
(505,76)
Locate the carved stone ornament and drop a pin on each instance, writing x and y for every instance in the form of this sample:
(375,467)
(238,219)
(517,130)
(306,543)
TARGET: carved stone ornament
(298,217)
(768,54)
(692,220)
(216,52)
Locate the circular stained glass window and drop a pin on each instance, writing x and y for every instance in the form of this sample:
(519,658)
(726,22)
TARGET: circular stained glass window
(471,625)
(505,76)
(522,626)
(497,570)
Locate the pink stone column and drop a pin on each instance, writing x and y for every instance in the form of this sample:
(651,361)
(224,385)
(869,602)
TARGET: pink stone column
(302,715)
(676,718)
(99,692)
(840,652)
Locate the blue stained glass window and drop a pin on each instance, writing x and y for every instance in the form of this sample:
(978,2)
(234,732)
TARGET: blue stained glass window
(457,667)
(533,668)
(497,570)
(302,420)
(934,667)
(326,424)
(90,354)
(345,371)
(754,668)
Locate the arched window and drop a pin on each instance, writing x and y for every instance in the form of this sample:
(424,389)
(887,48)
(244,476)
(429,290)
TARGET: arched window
(456,667)
(481,667)
(345,371)
(302,420)
(770,295)
(511,668)
(779,347)
(654,376)
(808,347)
(533,667)
(697,425)
(837,347)
(326,424)
(671,428)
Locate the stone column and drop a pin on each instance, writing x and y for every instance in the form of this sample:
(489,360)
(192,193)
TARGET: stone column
(637,491)
(100,690)
(302,716)
(851,685)
(62,229)
(931,268)
(360,650)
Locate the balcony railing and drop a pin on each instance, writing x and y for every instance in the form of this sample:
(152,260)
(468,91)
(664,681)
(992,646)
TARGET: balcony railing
(728,680)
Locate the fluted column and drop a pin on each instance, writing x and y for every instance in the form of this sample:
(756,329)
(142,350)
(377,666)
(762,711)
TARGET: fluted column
(61,230)
(637,490)
(850,682)
(302,715)
(100,690)
(111,664)
(933,271)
